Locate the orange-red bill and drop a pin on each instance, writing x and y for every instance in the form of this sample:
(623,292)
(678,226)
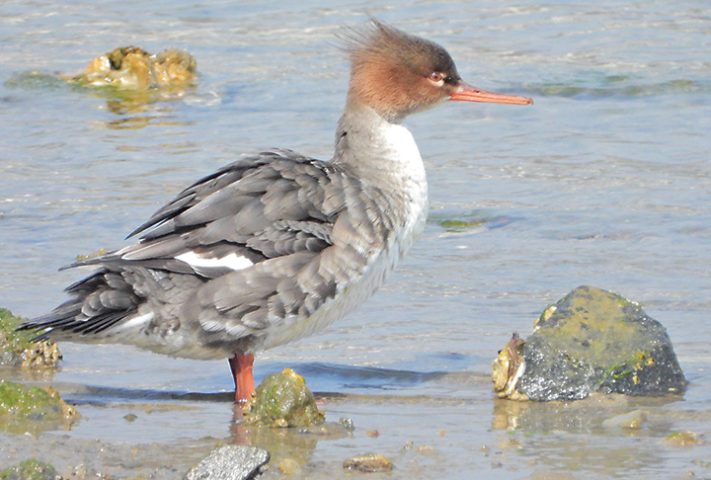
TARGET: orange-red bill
(467,93)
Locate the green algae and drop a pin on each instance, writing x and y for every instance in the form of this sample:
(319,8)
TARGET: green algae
(284,400)
(34,409)
(594,326)
(455,225)
(29,469)
(595,340)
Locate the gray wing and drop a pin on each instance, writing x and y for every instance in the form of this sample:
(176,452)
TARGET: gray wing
(260,241)
(264,206)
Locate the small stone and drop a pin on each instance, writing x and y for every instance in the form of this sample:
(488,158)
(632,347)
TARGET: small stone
(347,423)
(369,463)
(425,449)
(373,433)
(630,421)
(131,417)
(79,472)
(231,462)
(683,439)
(288,466)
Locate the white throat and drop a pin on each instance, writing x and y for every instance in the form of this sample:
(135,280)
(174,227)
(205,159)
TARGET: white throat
(385,155)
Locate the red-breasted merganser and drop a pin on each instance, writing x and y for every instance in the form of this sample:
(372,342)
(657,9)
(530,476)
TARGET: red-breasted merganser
(276,246)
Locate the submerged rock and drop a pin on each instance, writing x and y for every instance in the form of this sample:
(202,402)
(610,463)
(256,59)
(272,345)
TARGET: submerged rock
(370,463)
(30,470)
(591,340)
(231,462)
(34,409)
(683,439)
(628,421)
(132,68)
(17,349)
(283,400)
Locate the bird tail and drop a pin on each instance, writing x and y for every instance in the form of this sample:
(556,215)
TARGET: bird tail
(100,301)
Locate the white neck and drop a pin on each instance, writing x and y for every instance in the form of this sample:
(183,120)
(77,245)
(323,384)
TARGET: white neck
(384,155)
(378,151)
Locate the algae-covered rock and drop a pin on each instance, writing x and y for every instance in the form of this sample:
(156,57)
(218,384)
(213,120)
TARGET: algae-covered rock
(132,68)
(17,349)
(683,439)
(25,408)
(30,469)
(284,400)
(369,463)
(591,340)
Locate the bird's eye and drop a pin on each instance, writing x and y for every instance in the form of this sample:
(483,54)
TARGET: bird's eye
(436,78)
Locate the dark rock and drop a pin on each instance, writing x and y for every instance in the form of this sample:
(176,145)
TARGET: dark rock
(591,340)
(231,462)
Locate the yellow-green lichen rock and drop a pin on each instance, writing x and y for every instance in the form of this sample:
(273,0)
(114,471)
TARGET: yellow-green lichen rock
(32,409)
(592,340)
(283,400)
(29,470)
(132,68)
(17,349)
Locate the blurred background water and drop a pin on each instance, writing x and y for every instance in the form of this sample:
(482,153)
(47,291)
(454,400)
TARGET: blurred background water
(605,181)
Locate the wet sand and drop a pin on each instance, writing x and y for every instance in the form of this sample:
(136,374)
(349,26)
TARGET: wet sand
(153,434)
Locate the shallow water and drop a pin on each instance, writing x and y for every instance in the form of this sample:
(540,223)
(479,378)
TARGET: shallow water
(606,180)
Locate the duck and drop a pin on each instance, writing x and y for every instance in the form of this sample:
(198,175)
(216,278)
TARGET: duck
(277,245)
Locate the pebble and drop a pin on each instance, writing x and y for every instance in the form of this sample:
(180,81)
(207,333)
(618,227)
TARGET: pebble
(683,439)
(347,423)
(630,421)
(369,463)
(289,467)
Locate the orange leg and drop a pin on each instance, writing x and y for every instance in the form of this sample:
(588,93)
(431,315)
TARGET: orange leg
(241,366)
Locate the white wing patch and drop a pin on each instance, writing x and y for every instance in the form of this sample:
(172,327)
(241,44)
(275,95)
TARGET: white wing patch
(231,261)
(134,322)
